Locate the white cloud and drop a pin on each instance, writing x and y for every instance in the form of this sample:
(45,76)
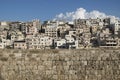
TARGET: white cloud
(81,13)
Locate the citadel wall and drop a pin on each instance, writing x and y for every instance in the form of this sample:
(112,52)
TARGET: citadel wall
(84,64)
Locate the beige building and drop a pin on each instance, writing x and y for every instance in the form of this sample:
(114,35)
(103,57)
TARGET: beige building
(20,45)
(3,35)
(110,42)
(40,42)
(51,32)
(2,46)
(68,43)
(31,28)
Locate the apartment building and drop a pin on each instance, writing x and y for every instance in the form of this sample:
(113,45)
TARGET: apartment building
(20,45)
(40,42)
(51,28)
(68,43)
(82,33)
(31,28)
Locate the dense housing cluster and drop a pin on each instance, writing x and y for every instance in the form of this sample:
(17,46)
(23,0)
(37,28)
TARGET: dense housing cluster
(80,33)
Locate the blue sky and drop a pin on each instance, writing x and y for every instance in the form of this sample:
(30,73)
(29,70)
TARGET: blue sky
(23,10)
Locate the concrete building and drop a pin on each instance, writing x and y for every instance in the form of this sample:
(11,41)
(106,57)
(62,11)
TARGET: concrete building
(60,44)
(3,34)
(31,29)
(82,33)
(71,42)
(51,32)
(20,45)
(51,28)
(68,43)
(14,25)
(40,42)
(23,26)
(2,46)
(109,42)
(6,43)
(63,29)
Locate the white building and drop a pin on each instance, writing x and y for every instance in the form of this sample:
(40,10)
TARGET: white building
(61,43)
(2,46)
(4,23)
(68,43)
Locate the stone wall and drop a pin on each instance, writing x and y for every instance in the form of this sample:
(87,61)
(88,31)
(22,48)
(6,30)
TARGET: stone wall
(84,64)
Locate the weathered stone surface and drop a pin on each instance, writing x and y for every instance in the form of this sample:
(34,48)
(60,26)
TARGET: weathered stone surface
(84,64)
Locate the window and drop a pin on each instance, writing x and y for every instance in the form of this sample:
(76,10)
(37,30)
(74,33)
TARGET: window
(59,43)
(15,44)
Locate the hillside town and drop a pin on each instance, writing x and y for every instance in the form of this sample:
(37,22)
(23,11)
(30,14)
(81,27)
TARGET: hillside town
(60,34)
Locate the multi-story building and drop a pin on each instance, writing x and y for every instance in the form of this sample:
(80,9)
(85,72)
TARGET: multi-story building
(4,25)
(14,25)
(82,33)
(39,42)
(51,29)
(20,45)
(31,28)
(2,46)
(51,32)
(23,27)
(68,43)
(60,44)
